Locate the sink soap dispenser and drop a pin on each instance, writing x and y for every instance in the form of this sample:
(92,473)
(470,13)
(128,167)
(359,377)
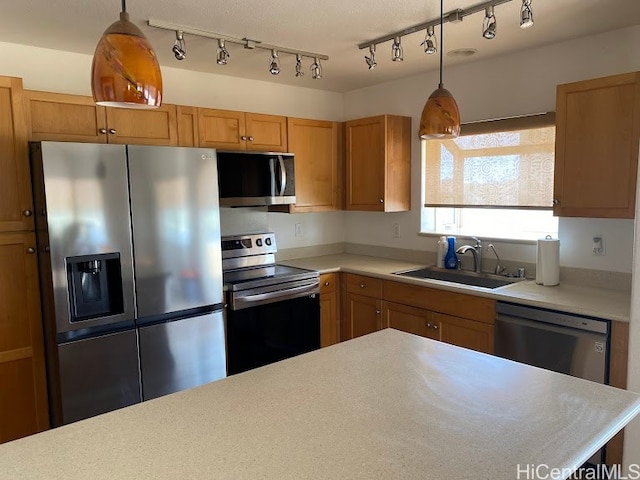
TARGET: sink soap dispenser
(441,251)
(451,259)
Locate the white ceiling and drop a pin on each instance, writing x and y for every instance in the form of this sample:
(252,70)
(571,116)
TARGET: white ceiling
(330,27)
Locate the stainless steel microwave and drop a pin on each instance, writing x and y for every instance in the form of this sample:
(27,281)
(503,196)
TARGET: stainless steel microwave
(247,179)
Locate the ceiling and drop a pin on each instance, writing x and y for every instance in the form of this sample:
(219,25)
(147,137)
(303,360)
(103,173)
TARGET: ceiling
(331,27)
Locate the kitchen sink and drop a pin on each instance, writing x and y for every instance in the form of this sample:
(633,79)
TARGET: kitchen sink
(465,277)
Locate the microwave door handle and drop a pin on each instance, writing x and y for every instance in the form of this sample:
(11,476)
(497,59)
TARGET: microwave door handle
(272,170)
(283,175)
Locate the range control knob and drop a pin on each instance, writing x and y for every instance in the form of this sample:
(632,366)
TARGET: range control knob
(259,242)
(267,241)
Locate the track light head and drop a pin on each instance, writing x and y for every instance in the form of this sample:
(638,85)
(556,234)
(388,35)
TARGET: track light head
(397,54)
(430,44)
(526,14)
(299,72)
(274,63)
(179,48)
(316,69)
(371,61)
(489,25)
(222,55)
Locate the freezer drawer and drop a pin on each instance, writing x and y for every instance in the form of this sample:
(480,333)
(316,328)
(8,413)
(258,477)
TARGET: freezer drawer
(182,354)
(98,375)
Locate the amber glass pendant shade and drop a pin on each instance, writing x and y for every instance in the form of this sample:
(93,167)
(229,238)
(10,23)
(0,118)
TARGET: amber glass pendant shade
(125,70)
(440,116)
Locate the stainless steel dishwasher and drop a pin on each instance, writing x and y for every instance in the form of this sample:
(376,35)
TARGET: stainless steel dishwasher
(558,341)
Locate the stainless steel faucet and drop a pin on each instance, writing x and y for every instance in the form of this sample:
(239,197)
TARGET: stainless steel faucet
(476,251)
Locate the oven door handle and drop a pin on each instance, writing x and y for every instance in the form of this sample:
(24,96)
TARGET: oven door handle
(240,302)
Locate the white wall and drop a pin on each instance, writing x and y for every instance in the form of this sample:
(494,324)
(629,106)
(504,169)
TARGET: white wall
(508,85)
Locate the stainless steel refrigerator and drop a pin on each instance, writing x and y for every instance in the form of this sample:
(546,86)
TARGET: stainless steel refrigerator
(131,273)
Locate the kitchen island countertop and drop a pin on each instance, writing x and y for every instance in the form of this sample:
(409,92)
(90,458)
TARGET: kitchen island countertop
(596,302)
(387,405)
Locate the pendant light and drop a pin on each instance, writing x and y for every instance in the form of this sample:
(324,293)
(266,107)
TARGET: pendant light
(125,71)
(440,116)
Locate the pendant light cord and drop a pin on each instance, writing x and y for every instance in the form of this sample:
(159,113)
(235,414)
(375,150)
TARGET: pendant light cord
(441,40)
(124,8)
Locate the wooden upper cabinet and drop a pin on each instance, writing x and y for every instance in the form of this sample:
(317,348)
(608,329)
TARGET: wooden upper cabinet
(16,204)
(378,163)
(23,401)
(597,135)
(315,146)
(187,126)
(76,118)
(231,130)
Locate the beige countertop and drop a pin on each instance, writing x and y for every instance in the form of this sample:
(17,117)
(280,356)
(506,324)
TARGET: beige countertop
(388,405)
(601,303)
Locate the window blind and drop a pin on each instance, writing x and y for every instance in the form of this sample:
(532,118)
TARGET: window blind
(505,163)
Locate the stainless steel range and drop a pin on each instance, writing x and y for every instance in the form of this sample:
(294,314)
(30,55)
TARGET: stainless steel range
(273,311)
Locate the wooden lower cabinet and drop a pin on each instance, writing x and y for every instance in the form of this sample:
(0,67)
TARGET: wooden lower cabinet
(363,315)
(329,309)
(408,319)
(23,395)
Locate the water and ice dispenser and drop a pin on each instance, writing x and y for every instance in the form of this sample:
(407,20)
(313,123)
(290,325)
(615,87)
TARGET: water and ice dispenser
(95,286)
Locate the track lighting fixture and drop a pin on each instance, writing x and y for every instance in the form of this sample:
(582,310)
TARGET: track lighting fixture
(396,50)
(526,14)
(222,54)
(299,72)
(489,24)
(371,61)
(274,63)
(179,48)
(430,44)
(316,69)
(125,71)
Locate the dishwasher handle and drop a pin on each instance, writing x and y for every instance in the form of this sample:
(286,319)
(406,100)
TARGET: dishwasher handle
(553,317)
(549,327)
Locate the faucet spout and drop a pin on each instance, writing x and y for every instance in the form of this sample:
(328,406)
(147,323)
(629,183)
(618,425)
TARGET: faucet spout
(468,248)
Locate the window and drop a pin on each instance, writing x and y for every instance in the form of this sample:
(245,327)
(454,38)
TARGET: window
(495,180)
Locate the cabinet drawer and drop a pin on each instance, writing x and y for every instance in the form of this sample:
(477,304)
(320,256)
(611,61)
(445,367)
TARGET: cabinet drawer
(361,285)
(451,303)
(328,282)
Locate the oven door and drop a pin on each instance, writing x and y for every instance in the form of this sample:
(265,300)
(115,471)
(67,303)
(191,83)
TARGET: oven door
(271,332)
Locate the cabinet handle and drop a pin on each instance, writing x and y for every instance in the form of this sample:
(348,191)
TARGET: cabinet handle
(31,250)
(103,131)
(27,213)
(435,326)
(112,131)
(362,285)
(429,325)
(556,201)
(326,284)
(251,139)
(243,138)
(377,312)
(381,200)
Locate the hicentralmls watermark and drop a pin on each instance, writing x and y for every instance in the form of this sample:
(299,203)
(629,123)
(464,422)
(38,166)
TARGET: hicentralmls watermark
(531,471)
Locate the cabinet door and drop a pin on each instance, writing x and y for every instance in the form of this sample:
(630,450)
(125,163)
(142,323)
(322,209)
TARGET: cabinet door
(222,129)
(363,315)
(187,126)
(266,133)
(329,326)
(365,162)
(132,126)
(315,145)
(23,397)
(465,333)
(16,204)
(408,319)
(66,118)
(597,133)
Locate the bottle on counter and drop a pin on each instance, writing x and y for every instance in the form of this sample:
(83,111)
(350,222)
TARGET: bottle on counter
(451,259)
(441,251)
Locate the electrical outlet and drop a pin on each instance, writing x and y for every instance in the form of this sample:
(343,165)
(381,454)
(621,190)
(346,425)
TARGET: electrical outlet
(598,245)
(299,230)
(396,230)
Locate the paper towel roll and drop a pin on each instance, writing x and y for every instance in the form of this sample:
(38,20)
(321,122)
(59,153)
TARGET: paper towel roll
(548,262)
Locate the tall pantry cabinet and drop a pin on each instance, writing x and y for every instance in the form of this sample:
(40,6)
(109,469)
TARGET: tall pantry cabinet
(23,393)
